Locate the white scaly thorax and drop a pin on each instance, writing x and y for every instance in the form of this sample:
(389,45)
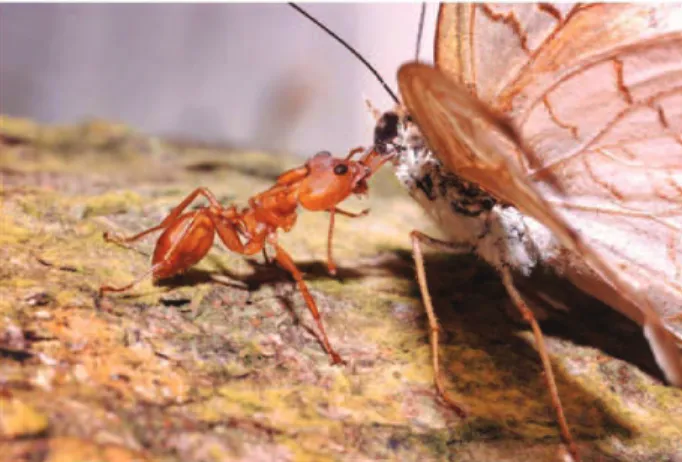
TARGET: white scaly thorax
(500,235)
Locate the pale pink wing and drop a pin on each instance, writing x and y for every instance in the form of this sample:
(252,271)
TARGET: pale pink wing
(594,96)
(583,109)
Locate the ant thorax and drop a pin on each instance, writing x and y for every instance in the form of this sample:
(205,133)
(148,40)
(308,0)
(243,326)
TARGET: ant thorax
(469,216)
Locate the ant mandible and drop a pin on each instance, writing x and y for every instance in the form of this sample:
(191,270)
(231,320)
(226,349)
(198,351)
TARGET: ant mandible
(319,185)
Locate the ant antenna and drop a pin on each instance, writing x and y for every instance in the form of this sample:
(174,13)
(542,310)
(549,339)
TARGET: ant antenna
(420,30)
(349,48)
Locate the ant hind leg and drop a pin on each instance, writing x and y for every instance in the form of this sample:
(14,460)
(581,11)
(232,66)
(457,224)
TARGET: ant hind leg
(170,218)
(107,288)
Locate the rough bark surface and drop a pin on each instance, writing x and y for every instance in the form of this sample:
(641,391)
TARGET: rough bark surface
(223,364)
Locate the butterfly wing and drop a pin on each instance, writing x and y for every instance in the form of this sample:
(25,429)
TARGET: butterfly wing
(572,114)
(484,47)
(593,94)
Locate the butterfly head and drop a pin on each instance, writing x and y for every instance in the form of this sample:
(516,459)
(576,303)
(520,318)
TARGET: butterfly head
(395,132)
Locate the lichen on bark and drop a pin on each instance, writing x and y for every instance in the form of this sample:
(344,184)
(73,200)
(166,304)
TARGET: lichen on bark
(223,364)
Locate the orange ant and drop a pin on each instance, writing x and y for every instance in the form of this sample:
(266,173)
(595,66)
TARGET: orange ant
(320,184)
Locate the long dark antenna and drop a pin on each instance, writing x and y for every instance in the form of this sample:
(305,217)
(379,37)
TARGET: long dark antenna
(349,48)
(419,32)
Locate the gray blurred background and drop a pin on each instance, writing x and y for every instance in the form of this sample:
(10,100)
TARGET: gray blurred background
(251,76)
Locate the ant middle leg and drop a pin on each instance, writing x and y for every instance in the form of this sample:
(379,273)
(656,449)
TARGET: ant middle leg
(231,237)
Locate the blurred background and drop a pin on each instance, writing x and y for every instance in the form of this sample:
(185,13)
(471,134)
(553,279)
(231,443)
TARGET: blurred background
(248,76)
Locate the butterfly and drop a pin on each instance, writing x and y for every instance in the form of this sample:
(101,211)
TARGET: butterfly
(551,135)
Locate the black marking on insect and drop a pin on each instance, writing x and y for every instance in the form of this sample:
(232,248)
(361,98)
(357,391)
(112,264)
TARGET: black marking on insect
(426,185)
(469,199)
(385,131)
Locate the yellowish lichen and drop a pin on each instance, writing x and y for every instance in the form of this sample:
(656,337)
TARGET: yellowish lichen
(11,232)
(223,364)
(111,203)
(18,419)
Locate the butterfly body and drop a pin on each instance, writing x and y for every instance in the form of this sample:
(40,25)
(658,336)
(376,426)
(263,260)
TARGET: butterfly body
(573,116)
(470,217)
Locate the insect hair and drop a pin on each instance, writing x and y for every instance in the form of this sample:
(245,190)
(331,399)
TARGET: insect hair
(353,50)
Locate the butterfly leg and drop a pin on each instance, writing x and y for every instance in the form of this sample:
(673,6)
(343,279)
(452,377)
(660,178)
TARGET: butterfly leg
(418,239)
(528,316)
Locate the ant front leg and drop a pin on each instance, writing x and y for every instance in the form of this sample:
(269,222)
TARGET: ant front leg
(331,265)
(285,260)
(354,151)
(169,220)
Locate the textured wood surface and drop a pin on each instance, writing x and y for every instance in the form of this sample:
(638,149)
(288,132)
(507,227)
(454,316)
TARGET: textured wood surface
(221,364)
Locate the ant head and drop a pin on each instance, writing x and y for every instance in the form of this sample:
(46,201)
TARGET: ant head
(330,180)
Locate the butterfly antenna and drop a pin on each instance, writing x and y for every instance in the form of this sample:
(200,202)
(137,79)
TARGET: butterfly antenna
(420,31)
(349,48)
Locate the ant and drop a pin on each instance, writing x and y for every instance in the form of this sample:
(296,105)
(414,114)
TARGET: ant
(319,185)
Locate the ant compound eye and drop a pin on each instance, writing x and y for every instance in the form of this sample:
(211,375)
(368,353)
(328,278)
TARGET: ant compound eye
(341,169)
